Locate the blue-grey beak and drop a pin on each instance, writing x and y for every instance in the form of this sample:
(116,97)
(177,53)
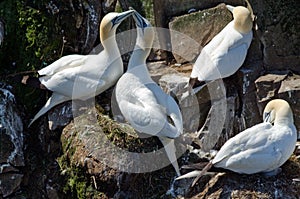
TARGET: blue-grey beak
(140,21)
(120,17)
(267,117)
(230,8)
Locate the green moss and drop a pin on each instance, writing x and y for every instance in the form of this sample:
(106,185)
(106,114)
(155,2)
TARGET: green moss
(32,41)
(77,183)
(95,179)
(201,17)
(125,136)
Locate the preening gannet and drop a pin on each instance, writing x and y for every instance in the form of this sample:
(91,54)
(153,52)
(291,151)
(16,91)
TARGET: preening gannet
(261,148)
(83,76)
(226,52)
(142,102)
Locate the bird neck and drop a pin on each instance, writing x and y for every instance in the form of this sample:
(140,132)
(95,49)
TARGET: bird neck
(284,116)
(284,121)
(243,25)
(138,58)
(109,43)
(137,65)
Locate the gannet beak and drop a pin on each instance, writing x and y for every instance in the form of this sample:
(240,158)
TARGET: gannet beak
(120,17)
(230,8)
(140,21)
(267,117)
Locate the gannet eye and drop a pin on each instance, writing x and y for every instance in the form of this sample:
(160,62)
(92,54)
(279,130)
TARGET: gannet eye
(115,20)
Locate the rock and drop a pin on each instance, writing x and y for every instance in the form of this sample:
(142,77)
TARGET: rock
(284,85)
(174,84)
(268,85)
(2,31)
(247,109)
(158,69)
(170,8)
(11,142)
(81,140)
(223,119)
(196,29)
(108,6)
(9,183)
(100,155)
(81,20)
(232,185)
(164,11)
(277,23)
(215,121)
(51,192)
(60,116)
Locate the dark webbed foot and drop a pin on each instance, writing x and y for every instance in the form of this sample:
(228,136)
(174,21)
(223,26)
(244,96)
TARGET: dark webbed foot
(30,81)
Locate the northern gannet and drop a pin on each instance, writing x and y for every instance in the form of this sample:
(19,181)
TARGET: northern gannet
(262,148)
(83,76)
(142,102)
(226,52)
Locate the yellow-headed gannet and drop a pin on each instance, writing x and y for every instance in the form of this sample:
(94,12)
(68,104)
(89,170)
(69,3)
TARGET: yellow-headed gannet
(262,148)
(83,76)
(226,52)
(142,102)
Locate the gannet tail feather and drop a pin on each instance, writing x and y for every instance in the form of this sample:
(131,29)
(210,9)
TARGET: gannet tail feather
(199,88)
(196,166)
(54,100)
(196,173)
(171,152)
(204,170)
(191,174)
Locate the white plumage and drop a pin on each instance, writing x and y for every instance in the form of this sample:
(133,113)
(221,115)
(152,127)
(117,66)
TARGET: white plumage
(261,148)
(142,102)
(85,76)
(226,52)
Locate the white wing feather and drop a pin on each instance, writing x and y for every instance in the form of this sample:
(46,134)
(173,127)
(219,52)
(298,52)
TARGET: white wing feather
(69,61)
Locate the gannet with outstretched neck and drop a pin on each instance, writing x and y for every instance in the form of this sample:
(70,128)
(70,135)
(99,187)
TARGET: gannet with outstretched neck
(142,102)
(83,76)
(261,148)
(226,52)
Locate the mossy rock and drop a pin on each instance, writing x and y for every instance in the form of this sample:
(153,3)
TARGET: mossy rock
(196,30)
(93,139)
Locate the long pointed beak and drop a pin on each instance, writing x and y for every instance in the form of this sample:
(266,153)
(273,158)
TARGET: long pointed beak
(140,21)
(230,8)
(267,117)
(123,15)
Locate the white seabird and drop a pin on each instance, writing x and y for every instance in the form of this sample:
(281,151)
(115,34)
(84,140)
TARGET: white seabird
(83,76)
(226,52)
(262,148)
(142,102)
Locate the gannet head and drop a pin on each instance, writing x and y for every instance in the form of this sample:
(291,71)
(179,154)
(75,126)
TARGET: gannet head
(277,110)
(110,22)
(145,32)
(242,18)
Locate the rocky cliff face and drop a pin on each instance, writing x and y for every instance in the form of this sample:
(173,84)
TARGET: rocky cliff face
(11,143)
